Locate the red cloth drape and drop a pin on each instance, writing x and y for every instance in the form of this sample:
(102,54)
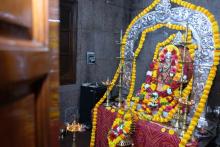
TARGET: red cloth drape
(146,134)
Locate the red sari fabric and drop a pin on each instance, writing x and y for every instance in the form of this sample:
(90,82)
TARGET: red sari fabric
(146,134)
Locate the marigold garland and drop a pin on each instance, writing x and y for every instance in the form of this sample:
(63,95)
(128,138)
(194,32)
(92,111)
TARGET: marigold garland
(171,113)
(162,44)
(137,51)
(95,109)
(212,73)
(120,128)
(156,117)
(211,76)
(133,74)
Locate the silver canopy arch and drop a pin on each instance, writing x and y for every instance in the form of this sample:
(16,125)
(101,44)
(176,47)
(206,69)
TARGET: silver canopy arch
(202,33)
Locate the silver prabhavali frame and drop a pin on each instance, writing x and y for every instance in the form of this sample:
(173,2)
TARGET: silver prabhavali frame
(202,33)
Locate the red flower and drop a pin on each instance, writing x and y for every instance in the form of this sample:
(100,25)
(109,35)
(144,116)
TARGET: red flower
(174,85)
(151,66)
(159,104)
(148,79)
(168,108)
(120,132)
(174,57)
(165,51)
(149,90)
(173,52)
(112,136)
(173,70)
(163,93)
(185,70)
(173,63)
(162,57)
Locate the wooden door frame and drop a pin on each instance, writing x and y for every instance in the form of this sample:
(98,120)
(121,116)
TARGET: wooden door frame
(17,54)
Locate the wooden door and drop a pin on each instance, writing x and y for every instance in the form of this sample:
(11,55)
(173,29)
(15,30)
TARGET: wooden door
(25,63)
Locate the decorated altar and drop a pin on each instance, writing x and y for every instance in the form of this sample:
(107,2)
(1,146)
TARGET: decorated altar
(168,107)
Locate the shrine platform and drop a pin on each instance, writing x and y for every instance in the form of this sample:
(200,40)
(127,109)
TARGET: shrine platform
(147,134)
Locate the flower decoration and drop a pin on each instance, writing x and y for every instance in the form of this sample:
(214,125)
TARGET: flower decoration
(172,107)
(120,129)
(144,105)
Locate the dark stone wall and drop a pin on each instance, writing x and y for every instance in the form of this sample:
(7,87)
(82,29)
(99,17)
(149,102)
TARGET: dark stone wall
(99,25)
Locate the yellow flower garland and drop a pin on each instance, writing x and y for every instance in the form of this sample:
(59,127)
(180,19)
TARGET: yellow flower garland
(156,117)
(211,76)
(186,91)
(162,44)
(95,109)
(126,128)
(143,36)
(133,74)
